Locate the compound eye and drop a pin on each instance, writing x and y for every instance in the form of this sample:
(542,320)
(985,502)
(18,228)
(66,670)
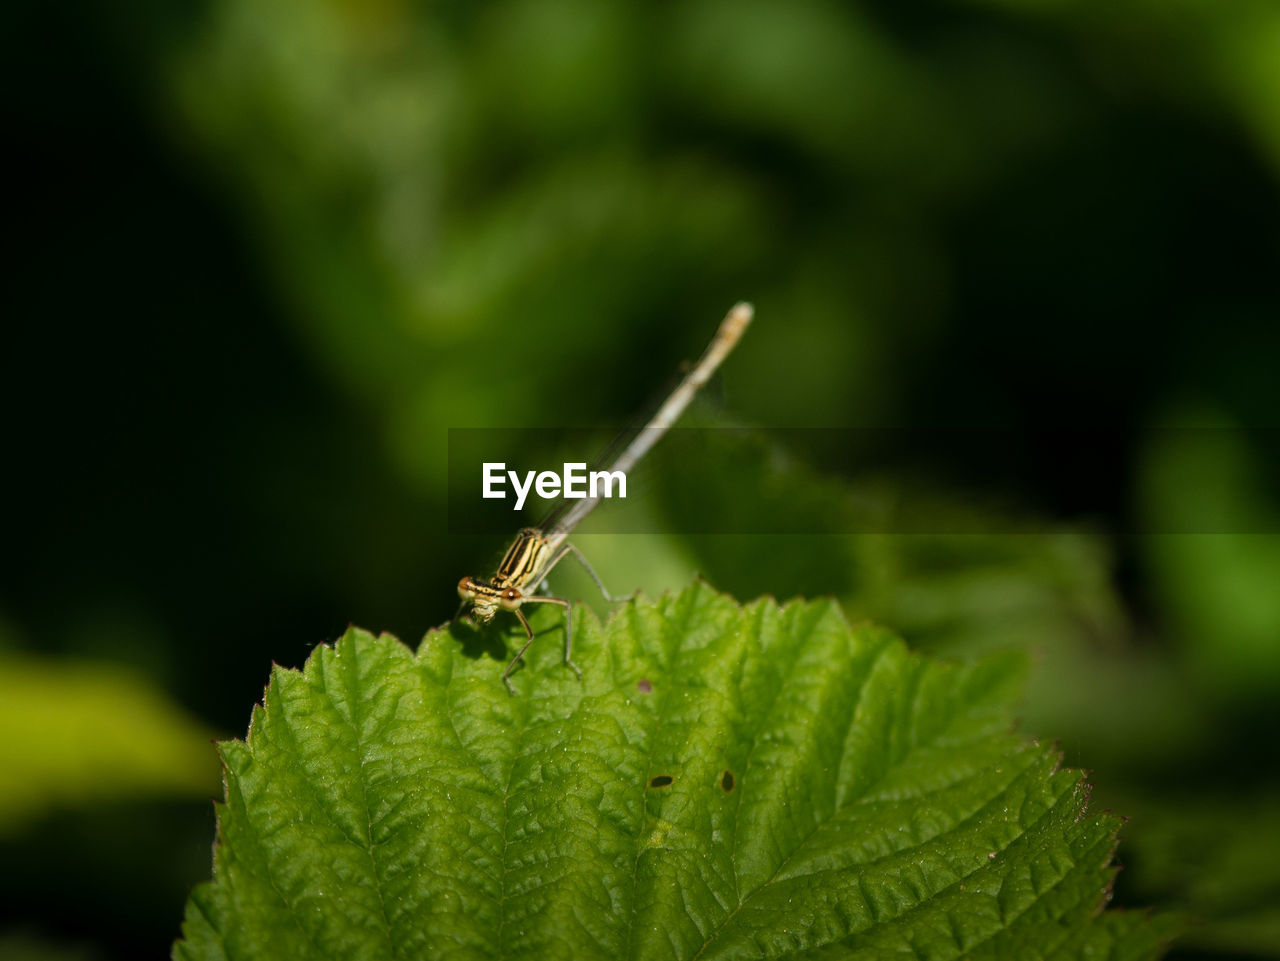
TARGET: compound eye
(511,598)
(465,590)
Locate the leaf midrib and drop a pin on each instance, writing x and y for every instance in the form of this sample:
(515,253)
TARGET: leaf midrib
(371,848)
(506,820)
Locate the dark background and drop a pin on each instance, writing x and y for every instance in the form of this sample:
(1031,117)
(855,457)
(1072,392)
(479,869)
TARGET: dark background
(263,256)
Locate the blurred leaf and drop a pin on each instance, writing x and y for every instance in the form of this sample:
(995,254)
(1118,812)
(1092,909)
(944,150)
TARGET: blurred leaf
(776,66)
(1216,572)
(25,947)
(1215,858)
(1248,61)
(948,572)
(75,733)
(724,782)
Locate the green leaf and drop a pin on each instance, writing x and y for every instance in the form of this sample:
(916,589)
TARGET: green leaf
(726,782)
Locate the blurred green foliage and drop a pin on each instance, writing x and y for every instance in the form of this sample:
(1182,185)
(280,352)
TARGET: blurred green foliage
(81,733)
(18,947)
(271,252)
(1220,590)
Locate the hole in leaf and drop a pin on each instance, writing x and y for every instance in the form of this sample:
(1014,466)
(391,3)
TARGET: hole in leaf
(660,780)
(726,781)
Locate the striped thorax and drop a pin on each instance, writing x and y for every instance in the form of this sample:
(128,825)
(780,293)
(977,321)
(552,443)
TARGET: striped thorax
(521,568)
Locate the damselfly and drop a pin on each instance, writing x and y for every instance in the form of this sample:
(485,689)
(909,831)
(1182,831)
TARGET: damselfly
(536,552)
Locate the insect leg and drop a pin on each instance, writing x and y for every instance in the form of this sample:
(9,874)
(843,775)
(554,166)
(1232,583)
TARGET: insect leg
(506,675)
(568,627)
(570,549)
